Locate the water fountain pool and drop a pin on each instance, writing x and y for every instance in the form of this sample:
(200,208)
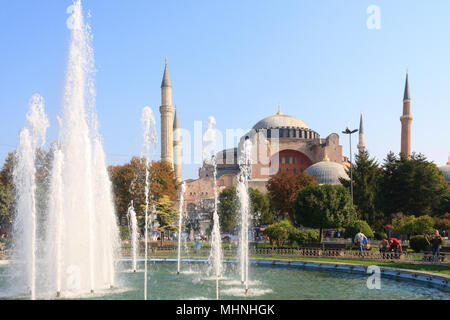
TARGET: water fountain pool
(270,283)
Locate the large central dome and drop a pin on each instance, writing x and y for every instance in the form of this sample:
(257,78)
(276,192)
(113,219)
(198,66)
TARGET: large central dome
(279,121)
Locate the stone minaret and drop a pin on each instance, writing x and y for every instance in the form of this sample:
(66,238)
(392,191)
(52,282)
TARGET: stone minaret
(406,120)
(177,147)
(361,145)
(166,111)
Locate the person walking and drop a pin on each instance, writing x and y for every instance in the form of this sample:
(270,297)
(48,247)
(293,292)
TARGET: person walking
(436,242)
(359,241)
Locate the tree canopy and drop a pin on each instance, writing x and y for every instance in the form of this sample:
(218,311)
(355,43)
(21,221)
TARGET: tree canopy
(410,225)
(283,189)
(366,181)
(325,206)
(128,182)
(412,186)
(354,227)
(279,232)
(228,208)
(261,209)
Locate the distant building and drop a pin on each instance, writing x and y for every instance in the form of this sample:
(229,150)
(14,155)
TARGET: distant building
(281,143)
(446,170)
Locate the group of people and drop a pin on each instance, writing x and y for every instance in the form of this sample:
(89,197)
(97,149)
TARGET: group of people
(386,245)
(390,245)
(394,245)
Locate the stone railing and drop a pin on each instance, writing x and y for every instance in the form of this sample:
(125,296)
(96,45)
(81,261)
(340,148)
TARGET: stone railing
(349,254)
(300,252)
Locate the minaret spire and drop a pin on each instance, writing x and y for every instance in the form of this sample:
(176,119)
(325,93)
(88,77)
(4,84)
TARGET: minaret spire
(406,120)
(361,144)
(407,95)
(166,77)
(177,147)
(166,111)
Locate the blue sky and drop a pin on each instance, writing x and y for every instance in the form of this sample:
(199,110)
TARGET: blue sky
(236,60)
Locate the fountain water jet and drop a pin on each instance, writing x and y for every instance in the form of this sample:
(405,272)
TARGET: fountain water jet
(56,213)
(24,175)
(244,208)
(73,257)
(132,225)
(209,154)
(87,191)
(180,222)
(150,140)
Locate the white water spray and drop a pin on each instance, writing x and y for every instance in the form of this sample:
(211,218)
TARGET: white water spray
(90,230)
(150,140)
(244,207)
(56,214)
(180,224)
(209,154)
(81,235)
(132,225)
(24,174)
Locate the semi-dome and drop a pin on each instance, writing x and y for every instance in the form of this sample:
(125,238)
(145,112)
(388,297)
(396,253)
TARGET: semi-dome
(446,171)
(279,121)
(328,172)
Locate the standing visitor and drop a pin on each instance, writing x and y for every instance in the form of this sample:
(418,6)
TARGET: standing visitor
(436,242)
(359,241)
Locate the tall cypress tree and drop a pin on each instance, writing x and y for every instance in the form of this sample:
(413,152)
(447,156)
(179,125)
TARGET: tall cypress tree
(366,180)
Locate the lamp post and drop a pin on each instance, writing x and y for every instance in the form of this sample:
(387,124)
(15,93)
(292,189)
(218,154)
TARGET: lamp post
(350,132)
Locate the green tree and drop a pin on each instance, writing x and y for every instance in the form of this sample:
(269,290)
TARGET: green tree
(279,232)
(261,210)
(6,201)
(227,208)
(366,181)
(443,206)
(304,236)
(166,215)
(325,206)
(410,225)
(7,192)
(411,186)
(354,227)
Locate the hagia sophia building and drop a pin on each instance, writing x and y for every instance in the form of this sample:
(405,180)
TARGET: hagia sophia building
(280,143)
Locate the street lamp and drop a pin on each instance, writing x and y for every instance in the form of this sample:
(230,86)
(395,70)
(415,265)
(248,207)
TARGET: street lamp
(350,132)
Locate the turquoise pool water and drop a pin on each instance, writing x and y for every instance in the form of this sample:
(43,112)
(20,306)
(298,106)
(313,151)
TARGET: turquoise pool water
(266,282)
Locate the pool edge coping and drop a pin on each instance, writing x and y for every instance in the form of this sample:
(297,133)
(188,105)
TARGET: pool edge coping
(391,272)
